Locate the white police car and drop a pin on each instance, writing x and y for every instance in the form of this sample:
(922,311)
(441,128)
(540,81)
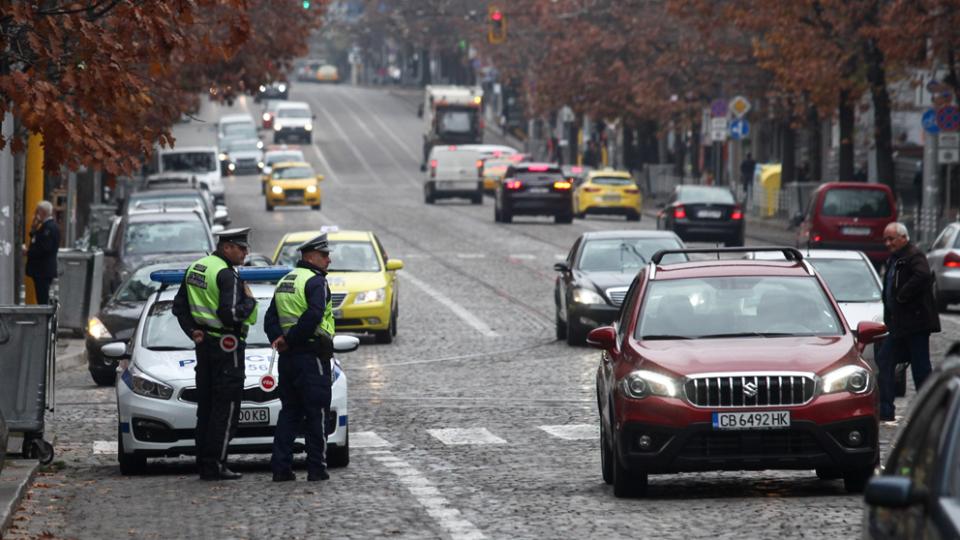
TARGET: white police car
(156,392)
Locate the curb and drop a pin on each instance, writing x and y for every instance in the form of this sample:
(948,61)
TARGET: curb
(16,477)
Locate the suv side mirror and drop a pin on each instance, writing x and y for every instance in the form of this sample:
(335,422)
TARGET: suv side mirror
(890,491)
(345,344)
(561,267)
(117,349)
(869,332)
(604,338)
(394,264)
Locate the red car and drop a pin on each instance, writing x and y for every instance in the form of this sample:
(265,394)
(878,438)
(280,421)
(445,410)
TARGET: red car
(733,364)
(848,215)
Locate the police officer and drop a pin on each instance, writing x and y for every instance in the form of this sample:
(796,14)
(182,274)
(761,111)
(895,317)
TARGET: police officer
(215,308)
(300,326)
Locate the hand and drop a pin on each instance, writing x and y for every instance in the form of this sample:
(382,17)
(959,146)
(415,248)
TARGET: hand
(247,291)
(197,336)
(280,344)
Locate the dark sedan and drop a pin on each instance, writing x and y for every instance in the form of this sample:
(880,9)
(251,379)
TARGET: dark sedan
(706,213)
(533,189)
(273,90)
(596,274)
(914,496)
(118,318)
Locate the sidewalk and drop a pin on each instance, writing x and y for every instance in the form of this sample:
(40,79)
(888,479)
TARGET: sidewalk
(18,473)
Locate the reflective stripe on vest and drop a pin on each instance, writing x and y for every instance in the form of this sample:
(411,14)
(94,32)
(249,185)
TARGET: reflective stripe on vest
(291,301)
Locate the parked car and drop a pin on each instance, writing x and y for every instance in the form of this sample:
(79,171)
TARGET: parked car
(293,120)
(848,215)
(272,90)
(914,494)
(170,197)
(199,162)
(533,189)
(944,260)
(594,277)
(706,213)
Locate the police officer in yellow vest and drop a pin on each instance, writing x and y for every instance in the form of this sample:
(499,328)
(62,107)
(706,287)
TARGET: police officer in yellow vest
(300,325)
(215,308)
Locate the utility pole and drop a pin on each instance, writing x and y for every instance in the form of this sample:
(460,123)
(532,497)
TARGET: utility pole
(8,238)
(929,214)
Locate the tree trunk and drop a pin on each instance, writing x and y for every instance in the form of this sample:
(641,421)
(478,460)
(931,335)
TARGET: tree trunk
(883,130)
(845,162)
(789,162)
(814,146)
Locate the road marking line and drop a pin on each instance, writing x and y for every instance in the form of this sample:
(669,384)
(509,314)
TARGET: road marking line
(523,256)
(471,255)
(353,148)
(326,164)
(105,447)
(574,432)
(559,256)
(367,439)
(464,436)
(456,308)
(413,155)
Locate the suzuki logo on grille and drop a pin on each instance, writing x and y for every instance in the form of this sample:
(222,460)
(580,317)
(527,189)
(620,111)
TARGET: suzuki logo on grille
(750,389)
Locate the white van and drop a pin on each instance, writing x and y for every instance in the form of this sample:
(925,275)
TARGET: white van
(292,119)
(200,161)
(457,171)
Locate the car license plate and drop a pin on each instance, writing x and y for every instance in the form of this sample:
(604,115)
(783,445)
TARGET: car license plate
(856,231)
(751,420)
(338,314)
(709,214)
(446,185)
(259,415)
(610,198)
(538,190)
(294,198)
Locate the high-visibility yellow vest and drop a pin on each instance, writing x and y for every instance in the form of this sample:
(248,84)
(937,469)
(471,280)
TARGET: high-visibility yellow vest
(291,301)
(203,295)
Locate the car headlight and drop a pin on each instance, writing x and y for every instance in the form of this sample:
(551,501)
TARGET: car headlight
(145,386)
(277,190)
(282,88)
(642,383)
(853,379)
(232,166)
(97,330)
(260,165)
(259,145)
(311,189)
(266,117)
(586,296)
(267,169)
(277,127)
(308,127)
(222,156)
(367,297)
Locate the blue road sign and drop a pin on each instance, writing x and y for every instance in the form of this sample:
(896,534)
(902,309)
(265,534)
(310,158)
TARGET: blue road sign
(739,129)
(929,121)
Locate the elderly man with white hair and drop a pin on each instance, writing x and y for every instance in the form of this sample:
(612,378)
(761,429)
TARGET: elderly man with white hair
(910,313)
(42,252)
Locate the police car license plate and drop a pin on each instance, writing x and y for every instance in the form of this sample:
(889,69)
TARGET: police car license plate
(259,415)
(751,420)
(856,231)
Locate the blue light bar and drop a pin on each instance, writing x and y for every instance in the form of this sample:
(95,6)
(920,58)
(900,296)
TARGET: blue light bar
(271,274)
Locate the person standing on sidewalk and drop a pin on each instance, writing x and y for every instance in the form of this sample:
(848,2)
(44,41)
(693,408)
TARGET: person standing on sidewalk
(300,325)
(42,252)
(747,168)
(910,313)
(215,308)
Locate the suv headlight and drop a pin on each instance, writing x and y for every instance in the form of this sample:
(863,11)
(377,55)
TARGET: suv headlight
(642,383)
(277,190)
(223,156)
(260,145)
(367,297)
(586,296)
(853,379)
(277,127)
(145,386)
(308,127)
(311,189)
(97,330)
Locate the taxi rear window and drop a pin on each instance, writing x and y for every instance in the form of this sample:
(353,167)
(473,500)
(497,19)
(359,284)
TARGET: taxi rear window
(612,181)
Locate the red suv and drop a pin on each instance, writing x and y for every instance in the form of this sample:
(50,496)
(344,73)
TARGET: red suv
(734,364)
(848,215)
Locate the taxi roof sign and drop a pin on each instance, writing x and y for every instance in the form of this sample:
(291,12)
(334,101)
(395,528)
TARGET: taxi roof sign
(247,273)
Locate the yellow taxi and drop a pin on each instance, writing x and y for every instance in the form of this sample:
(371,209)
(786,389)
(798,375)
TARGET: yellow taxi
(328,73)
(495,166)
(362,278)
(607,191)
(293,183)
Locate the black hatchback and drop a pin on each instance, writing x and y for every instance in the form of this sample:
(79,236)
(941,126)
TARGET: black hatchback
(706,213)
(533,189)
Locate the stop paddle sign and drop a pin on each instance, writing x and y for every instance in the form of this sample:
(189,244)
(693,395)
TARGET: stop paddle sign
(268,383)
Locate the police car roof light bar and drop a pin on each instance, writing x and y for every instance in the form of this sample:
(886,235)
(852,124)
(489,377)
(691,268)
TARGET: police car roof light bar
(247,273)
(789,253)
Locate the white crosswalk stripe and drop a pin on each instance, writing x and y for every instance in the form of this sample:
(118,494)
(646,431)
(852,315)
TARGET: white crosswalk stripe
(462,436)
(105,447)
(574,432)
(367,439)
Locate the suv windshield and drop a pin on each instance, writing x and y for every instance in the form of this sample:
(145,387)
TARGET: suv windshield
(161,332)
(849,280)
(188,162)
(852,202)
(740,306)
(237,130)
(293,172)
(344,257)
(625,254)
(166,237)
(241,146)
(293,113)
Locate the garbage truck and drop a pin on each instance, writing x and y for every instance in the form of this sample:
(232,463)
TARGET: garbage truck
(451,115)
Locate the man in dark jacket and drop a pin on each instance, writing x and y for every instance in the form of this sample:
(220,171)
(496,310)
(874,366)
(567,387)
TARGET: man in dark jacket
(910,313)
(42,252)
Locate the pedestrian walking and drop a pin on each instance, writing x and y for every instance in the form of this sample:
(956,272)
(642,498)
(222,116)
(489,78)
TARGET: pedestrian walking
(747,168)
(300,325)
(42,251)
(216,308)
(910,313)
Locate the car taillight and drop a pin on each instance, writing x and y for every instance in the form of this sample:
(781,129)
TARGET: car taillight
(433,168)
(737,214)
(537,168)
(631,191)
(952,260)
(680,213)
(513,184)
(816,238)
(592,190)
(562,185)
(480,168)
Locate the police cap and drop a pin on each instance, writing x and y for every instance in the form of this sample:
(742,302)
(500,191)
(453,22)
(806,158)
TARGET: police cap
(236,236)
(318,243)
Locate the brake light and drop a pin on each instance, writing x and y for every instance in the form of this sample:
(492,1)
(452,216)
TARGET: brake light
(513,184)
(680,213)
(451,148)
(433,164)
(737,214)
(562,185)
(497,153)
(631,191)
(952,260)
(590,189)
(816,238)
(576,169)
(479,163)
(537,168)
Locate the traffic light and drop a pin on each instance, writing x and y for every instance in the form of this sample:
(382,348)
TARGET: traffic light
(497,21)
(306,4)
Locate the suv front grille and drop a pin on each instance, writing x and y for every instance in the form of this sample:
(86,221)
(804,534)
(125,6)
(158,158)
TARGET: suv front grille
(336,298)
(750,390)
(253,394)
(616,294)
(750,444)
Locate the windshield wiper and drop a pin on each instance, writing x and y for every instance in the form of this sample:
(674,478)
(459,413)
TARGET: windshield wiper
(168,348)
(666,336)
(749,334)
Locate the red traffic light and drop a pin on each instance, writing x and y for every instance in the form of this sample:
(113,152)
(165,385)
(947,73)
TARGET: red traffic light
(496,16)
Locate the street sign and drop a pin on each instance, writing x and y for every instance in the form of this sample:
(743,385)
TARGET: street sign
(948,156)
(718,108)
(929,121)
(739,106)
(718,129)
(739,129)
(949,141)
(948,118)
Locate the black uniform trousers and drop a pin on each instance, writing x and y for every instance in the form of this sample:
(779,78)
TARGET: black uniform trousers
(305,392)
(41,286)
(220,376)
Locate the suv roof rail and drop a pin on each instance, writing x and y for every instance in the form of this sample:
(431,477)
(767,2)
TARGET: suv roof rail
(789,253)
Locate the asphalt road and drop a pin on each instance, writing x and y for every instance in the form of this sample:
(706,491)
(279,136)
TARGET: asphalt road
(474,423)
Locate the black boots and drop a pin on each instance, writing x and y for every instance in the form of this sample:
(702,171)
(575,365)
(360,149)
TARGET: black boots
(286,476)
